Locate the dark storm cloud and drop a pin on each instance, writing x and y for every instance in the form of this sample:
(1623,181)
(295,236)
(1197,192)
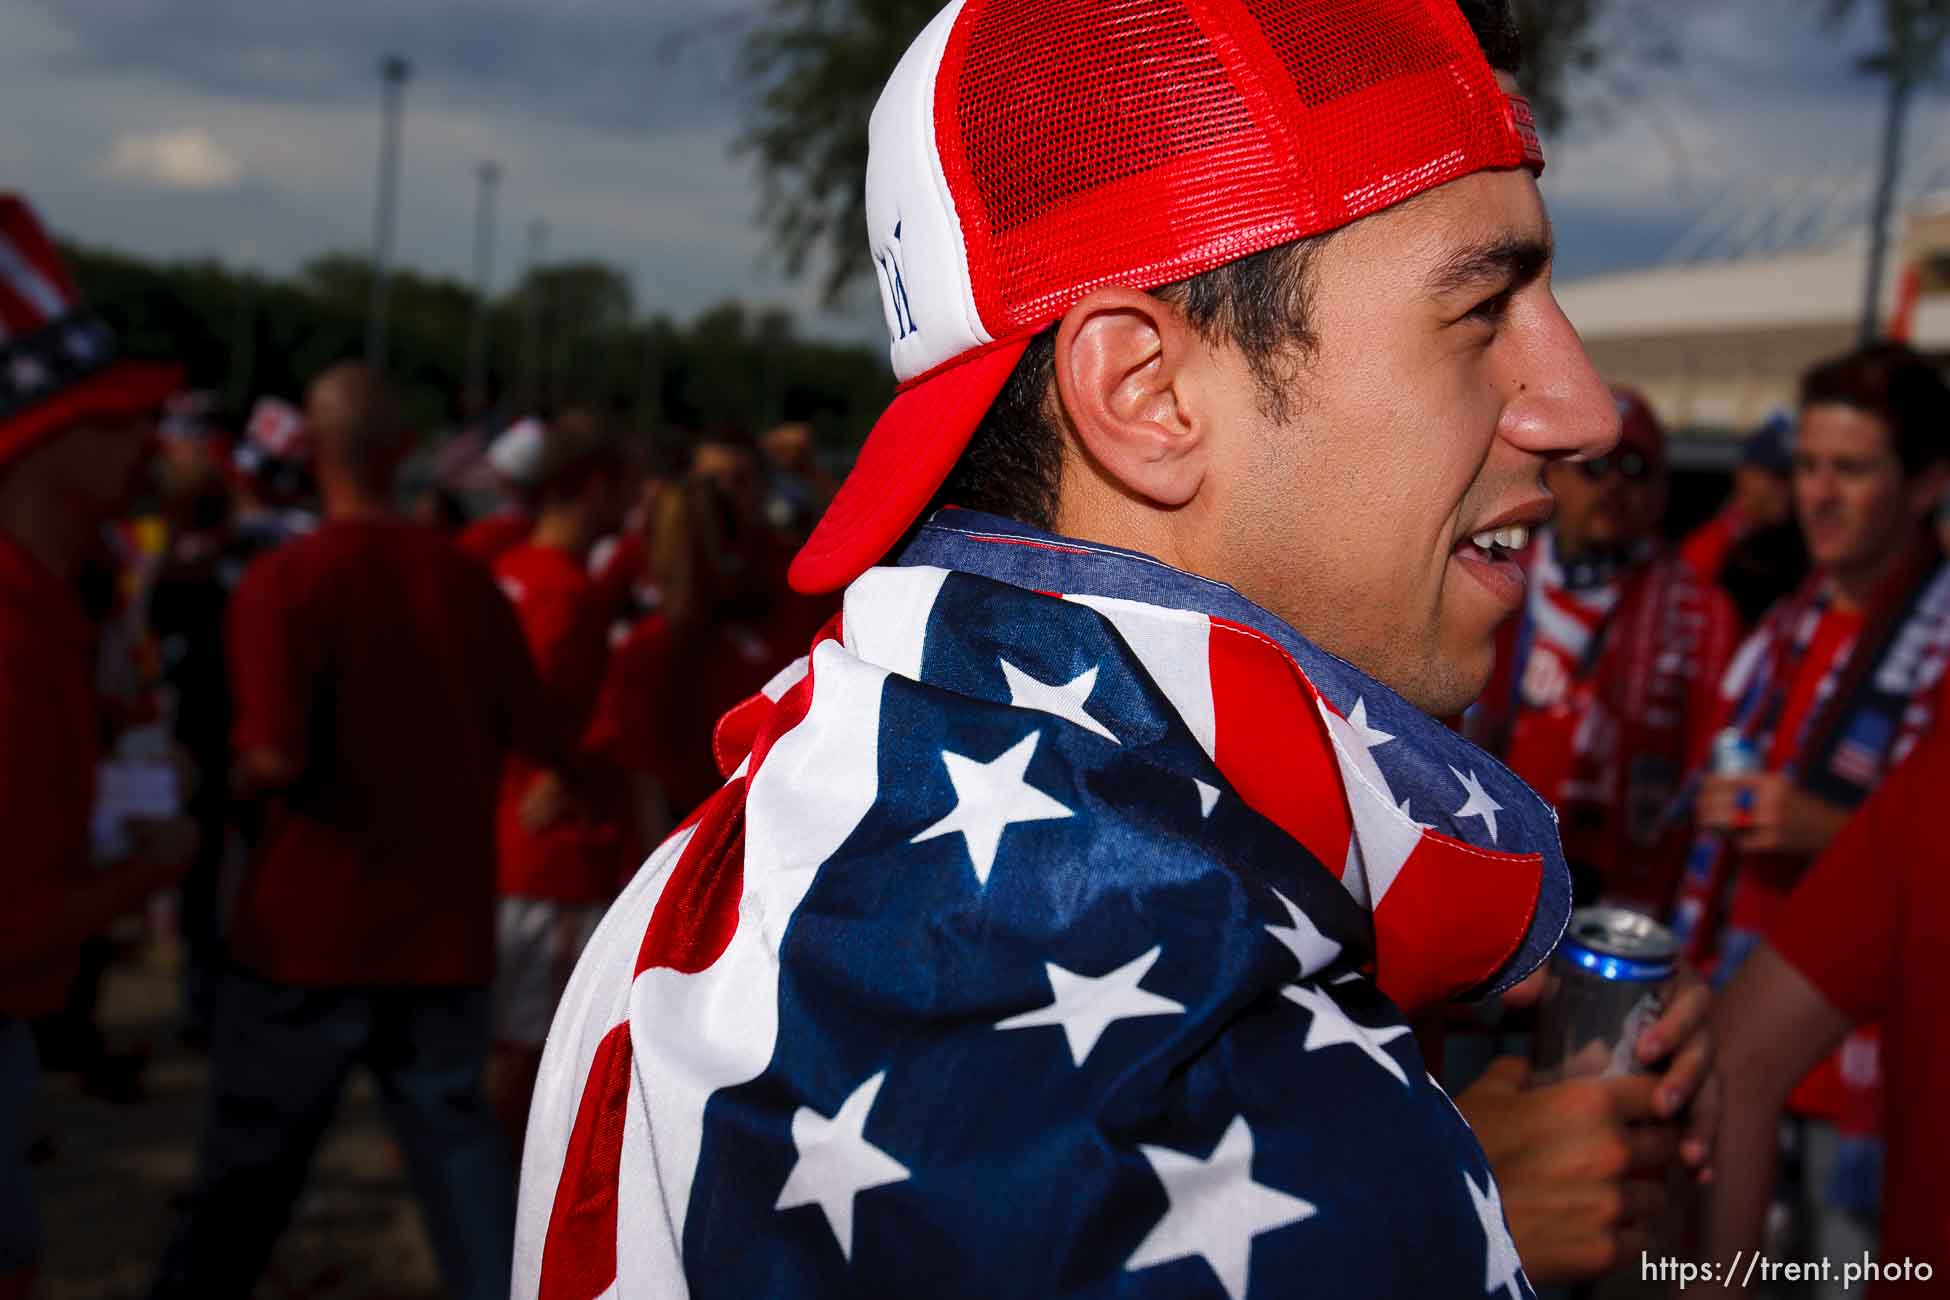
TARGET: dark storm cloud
(615,120)
(615,64)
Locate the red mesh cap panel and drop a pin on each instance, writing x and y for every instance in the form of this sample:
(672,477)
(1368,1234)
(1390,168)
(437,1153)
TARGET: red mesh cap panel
(1332,48)
(1395,97)
(1090,142)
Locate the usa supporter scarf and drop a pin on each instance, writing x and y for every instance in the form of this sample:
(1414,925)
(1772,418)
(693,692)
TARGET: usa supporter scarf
(1052,936)
(1565,611)
(1873,703)
(1611,657)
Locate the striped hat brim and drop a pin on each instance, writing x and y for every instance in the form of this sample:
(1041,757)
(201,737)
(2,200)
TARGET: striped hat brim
(119,390)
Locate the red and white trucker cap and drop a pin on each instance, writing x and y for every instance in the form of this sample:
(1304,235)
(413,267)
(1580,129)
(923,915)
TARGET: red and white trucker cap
(1028,152)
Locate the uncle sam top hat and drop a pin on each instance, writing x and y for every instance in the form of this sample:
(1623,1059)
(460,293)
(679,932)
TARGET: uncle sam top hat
(58,362)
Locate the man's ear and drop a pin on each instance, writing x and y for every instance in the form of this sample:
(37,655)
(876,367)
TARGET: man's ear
(1121,361)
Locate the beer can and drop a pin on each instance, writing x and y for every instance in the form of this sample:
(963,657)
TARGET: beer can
(1607,986)
(1734,754)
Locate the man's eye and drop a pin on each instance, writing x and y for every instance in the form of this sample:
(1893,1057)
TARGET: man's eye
(1491,310)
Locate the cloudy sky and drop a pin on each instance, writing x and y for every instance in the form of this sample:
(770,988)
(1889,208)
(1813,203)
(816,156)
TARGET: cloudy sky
(248,129)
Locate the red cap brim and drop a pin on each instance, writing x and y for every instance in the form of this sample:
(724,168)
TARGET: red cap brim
(121,389)
(914,444)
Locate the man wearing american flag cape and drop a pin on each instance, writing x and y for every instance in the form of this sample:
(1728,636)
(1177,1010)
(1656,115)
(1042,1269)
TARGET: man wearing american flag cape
(1055,931)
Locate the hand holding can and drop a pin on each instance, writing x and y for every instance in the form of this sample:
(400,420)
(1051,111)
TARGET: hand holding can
(1607,985)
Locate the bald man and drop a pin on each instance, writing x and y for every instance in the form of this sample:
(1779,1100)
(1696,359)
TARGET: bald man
(379,680)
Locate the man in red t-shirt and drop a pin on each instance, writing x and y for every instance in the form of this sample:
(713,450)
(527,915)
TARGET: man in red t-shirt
(75,426)
(515,457)
(379,679)
(1831,692)
(557,833)
(725,625)
(1858,943)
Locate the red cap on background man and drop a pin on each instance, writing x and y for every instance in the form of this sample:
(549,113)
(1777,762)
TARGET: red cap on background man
(1638,425)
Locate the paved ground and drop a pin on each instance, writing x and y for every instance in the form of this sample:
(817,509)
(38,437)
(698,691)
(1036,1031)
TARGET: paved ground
(111,1187)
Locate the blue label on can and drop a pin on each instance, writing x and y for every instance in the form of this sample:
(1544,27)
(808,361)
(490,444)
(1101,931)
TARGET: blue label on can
(1609,966)
(1734,754)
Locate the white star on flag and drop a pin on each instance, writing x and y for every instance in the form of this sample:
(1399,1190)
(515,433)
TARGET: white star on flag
(1331,1027)
(836,1162)
(1216,1209)
(1065,701)
(28,374)
(1479,803)
(991,797)
(1354,739)
(1502,1267)
(1357,721)
(1208,797)
(1086,1005)
(1383,839)
(1427,826)
(1312,949)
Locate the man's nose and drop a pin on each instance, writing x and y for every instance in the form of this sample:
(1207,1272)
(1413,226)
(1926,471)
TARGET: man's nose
(1562,409)
(1816,484)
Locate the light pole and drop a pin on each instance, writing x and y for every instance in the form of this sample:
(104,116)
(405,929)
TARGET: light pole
(393,72)
(490,176)
(1916,31)
(531,318)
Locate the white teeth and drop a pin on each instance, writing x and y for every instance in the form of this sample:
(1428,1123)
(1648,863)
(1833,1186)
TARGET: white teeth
(1513,538)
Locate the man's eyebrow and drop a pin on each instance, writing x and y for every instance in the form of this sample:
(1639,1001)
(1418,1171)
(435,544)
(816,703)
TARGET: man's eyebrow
(1515,260)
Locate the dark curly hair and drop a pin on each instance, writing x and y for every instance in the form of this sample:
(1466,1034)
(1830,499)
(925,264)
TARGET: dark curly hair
(1894,383)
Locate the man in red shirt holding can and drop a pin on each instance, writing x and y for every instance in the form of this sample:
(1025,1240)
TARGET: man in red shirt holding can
(1830,693)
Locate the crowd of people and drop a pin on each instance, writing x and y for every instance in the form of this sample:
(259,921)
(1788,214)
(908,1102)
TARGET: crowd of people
(1704,760)
(697,851)
(390,764)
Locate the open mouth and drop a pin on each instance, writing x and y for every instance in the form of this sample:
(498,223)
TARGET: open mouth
(1495,544)
(1490,558)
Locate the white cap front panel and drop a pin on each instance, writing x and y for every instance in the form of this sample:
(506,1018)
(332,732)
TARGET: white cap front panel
(913,233)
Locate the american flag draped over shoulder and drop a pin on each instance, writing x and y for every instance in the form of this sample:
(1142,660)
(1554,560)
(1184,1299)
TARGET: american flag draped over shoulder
(1045,944)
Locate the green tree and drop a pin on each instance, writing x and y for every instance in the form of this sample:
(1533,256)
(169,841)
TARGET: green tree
(248,335)
(818,66)
(584,307)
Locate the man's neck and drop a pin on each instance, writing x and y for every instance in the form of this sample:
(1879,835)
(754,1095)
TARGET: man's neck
(346,500)
(1856,588)
(1093,510)
(563,530)
(355,508)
